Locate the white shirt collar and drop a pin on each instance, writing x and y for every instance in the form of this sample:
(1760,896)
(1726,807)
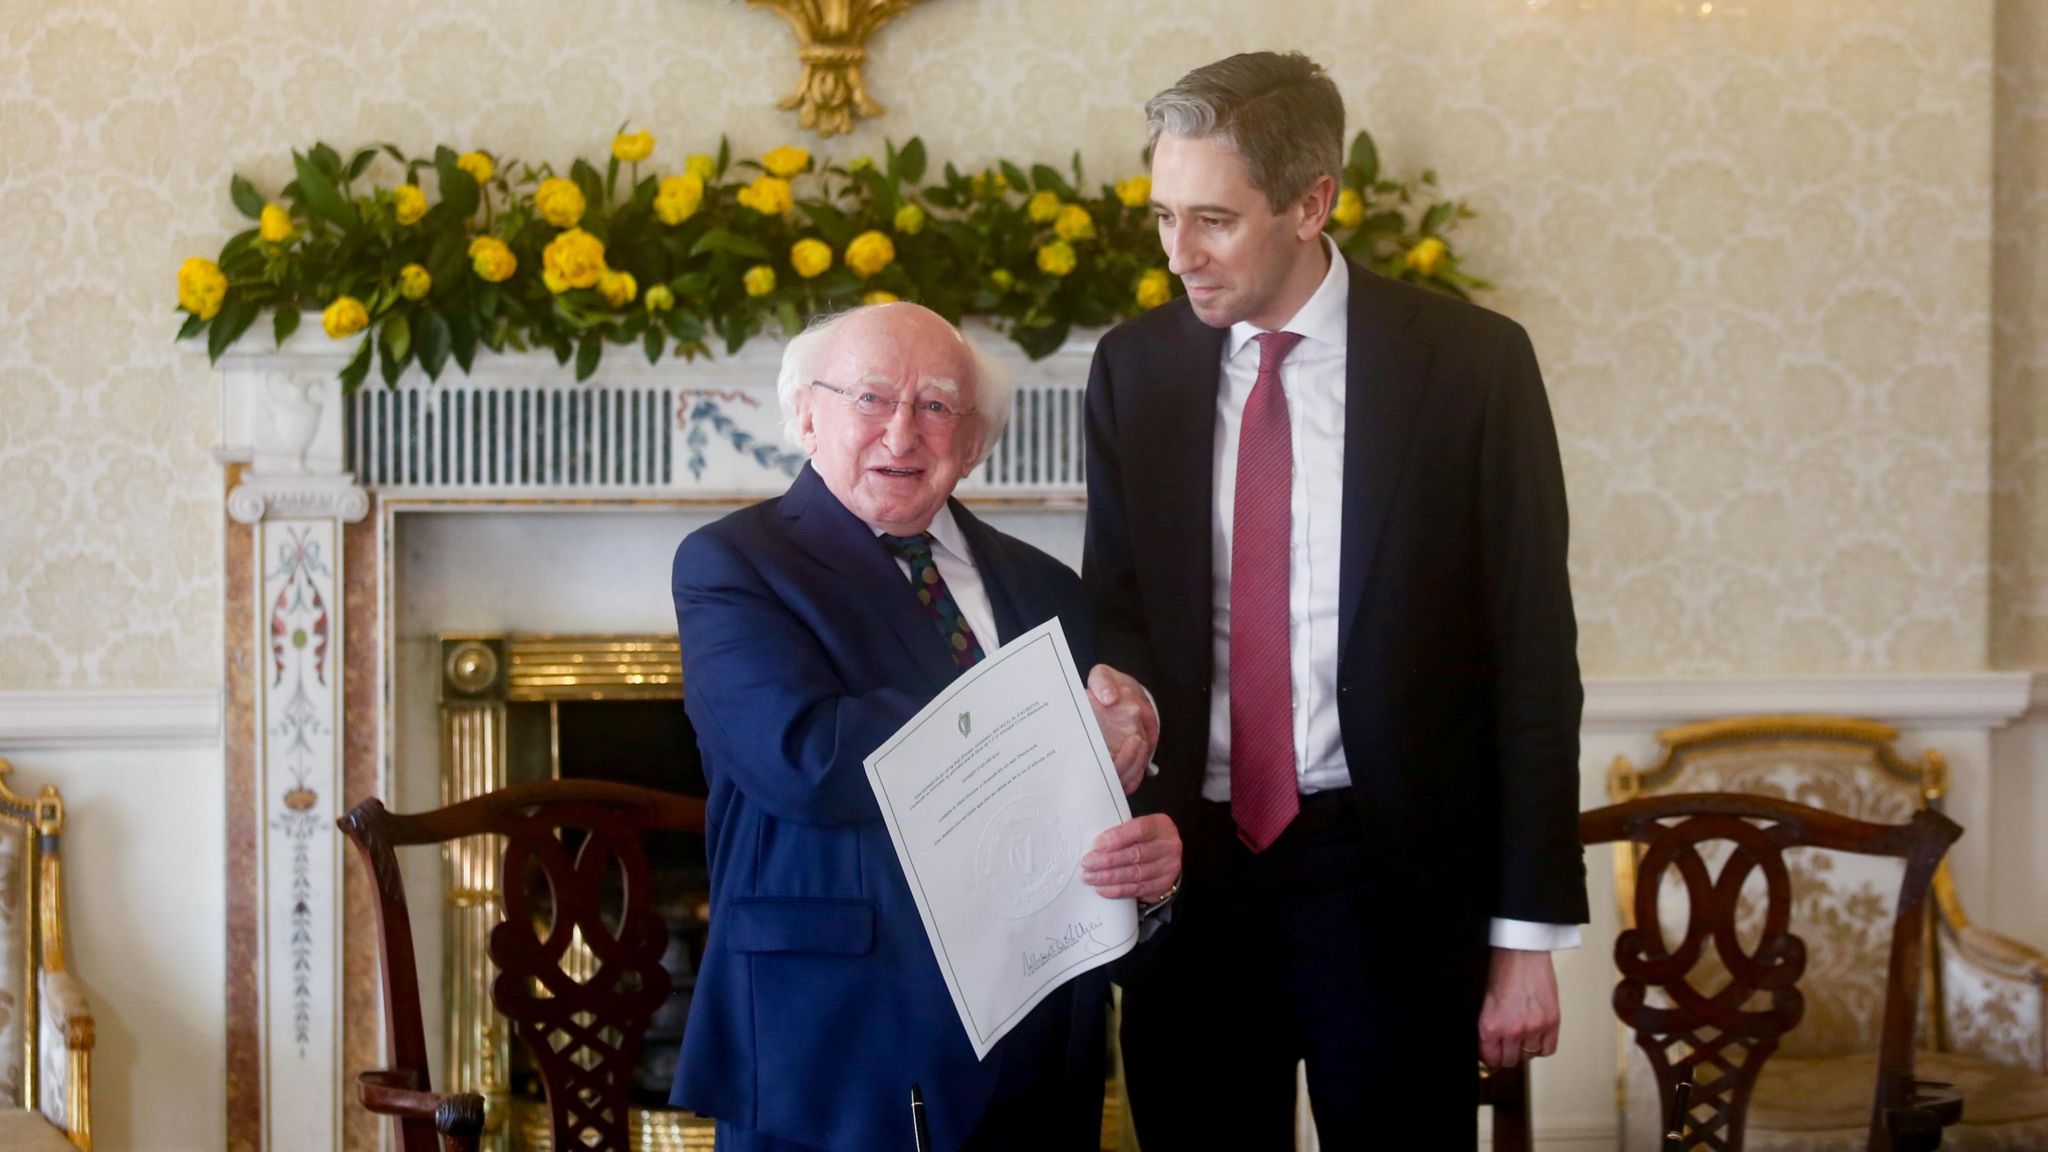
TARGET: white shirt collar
(1325,319)
(946,533)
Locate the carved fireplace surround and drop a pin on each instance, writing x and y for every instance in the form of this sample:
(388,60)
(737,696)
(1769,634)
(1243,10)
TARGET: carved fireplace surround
(360,526)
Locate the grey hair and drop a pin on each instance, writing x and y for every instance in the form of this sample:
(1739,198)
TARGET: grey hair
(993,391)
(1280,112)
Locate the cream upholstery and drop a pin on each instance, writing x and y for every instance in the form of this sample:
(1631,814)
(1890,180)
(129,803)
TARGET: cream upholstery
(1983,1011)
(46,1025)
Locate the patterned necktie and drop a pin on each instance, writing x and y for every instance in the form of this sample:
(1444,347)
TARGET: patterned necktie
(935,596)
(1264,794)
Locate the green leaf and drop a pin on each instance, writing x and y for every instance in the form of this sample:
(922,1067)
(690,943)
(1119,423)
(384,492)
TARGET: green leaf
(397,332)
(358,367)
(462,339)
(719,240)
(588,353)
(458,188)
(1439,214)
(611,178)
(1044,179)
(1365,157)
(320,196)
(910,162)
(359,163)
(391,366)
(228,326)
(651,342)
(431,343)
(1015,175)
(832,223)
(246,197)
(791,322)
(191,327)
(587,179)
(284,324)
(1040,342)
(1383,222)
(328,161)
(724,156)
(237,246)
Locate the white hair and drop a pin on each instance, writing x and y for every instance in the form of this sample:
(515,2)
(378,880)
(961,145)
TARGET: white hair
(993,391)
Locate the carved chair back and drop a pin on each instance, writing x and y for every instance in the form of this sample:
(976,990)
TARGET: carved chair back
(1721,1030)
(574,876)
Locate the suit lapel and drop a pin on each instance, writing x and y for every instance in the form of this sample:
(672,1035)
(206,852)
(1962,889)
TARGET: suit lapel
(836,538)
(1010,603)
(1182,426)
(1385,374)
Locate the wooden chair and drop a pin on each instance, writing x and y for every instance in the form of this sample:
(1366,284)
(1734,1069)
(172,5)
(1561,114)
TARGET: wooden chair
(1506,1091)
(584,1035)
(1983,1023)
(1723,1033)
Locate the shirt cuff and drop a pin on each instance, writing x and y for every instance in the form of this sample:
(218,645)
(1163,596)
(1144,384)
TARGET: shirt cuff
(1529,936)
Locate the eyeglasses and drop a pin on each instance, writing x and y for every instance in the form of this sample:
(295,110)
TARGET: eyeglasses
(930,411)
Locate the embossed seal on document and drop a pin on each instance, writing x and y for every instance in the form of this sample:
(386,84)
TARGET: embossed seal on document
(1026,856)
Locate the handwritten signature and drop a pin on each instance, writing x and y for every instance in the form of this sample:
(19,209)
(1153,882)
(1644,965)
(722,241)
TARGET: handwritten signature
(1077,932)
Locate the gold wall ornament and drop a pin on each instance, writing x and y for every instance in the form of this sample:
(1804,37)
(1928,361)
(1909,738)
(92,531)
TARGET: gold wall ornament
(832,37)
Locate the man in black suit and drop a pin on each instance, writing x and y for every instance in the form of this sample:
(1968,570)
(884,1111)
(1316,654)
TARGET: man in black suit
(1326,529)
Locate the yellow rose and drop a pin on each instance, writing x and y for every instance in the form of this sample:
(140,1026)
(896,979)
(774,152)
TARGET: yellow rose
(201,287)
(1002,279)
(492,259)
(559,202)
(910,219)
(1427,254)
(659,298)
(618,288)
(477,164)
(1074,223)
(1042,207)
(408,203)
(414,282)
(760,280)
(768,195)
(275,224)
(701,166)
(1154,288)
(1135,192)
(345,317)
(678,198)
(1056,258)
(1350,209)
(869,253)
(633,147)
(785,161)
(879,297)
(810,257)
(575,259)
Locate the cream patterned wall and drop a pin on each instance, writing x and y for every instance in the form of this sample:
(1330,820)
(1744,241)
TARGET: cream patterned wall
(2019,450)
(1754,250)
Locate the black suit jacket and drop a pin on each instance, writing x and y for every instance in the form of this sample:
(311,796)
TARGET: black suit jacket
(1457,676)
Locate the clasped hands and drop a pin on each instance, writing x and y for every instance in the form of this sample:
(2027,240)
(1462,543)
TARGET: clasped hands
(1140,858)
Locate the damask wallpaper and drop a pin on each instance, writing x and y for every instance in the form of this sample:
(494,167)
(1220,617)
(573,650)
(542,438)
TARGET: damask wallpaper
(1755,251)
(2019,451)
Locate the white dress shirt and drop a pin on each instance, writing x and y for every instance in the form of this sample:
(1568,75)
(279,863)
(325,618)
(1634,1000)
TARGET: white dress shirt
(956,567)
(1313,378)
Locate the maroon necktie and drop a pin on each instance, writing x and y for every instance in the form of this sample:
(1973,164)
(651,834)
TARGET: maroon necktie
(1264,796)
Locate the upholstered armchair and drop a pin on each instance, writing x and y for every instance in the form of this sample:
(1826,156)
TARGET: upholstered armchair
(1984,1024)
(46,1029)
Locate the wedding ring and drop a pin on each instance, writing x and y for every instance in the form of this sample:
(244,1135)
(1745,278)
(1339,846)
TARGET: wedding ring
(1532,1051)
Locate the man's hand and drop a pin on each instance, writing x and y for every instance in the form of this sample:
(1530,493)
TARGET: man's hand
(1136,860)
(1519,1019)
(1130,727)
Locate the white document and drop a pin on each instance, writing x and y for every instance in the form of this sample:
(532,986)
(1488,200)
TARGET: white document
(991,795)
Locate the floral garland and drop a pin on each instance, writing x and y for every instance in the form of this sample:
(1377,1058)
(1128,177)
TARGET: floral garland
(515,256)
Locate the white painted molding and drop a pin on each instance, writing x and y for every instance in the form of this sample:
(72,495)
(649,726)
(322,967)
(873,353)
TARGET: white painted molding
(88,717)
(1958,699)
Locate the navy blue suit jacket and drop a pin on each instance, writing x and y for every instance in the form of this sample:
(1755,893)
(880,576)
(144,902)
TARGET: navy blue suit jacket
(819,1002)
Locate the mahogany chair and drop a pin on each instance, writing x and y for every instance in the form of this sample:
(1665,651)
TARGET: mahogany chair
(582,841)
(1721,1034)
(1506,1091)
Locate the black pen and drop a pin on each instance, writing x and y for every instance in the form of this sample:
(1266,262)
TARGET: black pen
(917,1126)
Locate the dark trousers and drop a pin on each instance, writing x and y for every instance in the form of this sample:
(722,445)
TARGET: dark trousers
(1299,953)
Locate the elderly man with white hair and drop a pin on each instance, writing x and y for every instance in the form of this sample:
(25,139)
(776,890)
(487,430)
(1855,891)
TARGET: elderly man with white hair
(813,626)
